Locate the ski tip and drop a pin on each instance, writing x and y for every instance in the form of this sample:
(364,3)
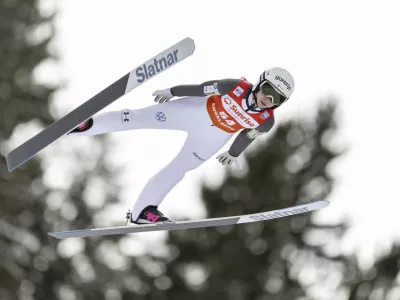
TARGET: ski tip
(53,235)
(323,203)
(190,41)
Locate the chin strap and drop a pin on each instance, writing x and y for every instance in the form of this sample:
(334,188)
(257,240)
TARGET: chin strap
(253,105)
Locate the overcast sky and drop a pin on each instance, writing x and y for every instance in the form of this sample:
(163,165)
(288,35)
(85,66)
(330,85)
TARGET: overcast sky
(345,48)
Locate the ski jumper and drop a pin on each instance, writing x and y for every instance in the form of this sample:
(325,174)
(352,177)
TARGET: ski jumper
(210,113)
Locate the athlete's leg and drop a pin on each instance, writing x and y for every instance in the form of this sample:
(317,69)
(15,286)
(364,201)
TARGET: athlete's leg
(200,145)
(174,115)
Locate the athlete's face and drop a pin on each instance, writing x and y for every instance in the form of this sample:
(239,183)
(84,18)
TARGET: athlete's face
(263,101)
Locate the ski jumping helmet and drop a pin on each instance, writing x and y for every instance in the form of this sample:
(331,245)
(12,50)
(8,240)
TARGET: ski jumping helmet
(277,83)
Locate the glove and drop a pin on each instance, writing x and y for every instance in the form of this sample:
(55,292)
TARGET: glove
(163,96)
(227,158)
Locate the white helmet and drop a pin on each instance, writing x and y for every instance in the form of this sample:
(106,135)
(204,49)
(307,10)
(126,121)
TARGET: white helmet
(280,80)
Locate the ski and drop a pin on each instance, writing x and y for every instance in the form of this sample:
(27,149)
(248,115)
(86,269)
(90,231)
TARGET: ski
(265,216)
(122,86)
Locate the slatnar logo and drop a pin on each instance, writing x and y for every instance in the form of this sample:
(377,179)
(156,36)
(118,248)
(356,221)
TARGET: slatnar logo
(145,72)
(286,213)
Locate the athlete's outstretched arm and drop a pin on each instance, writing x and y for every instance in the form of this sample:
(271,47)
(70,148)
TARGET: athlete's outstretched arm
(211,87)
(247,136)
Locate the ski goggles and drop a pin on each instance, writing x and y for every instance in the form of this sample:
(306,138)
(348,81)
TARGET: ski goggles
(269,91)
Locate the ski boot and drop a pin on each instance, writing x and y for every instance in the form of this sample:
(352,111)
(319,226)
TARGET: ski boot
(83,127)
(149,215)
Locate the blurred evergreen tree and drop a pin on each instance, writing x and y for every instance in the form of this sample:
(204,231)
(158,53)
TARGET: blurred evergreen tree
(380,281)
(21,100)
(34,265)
